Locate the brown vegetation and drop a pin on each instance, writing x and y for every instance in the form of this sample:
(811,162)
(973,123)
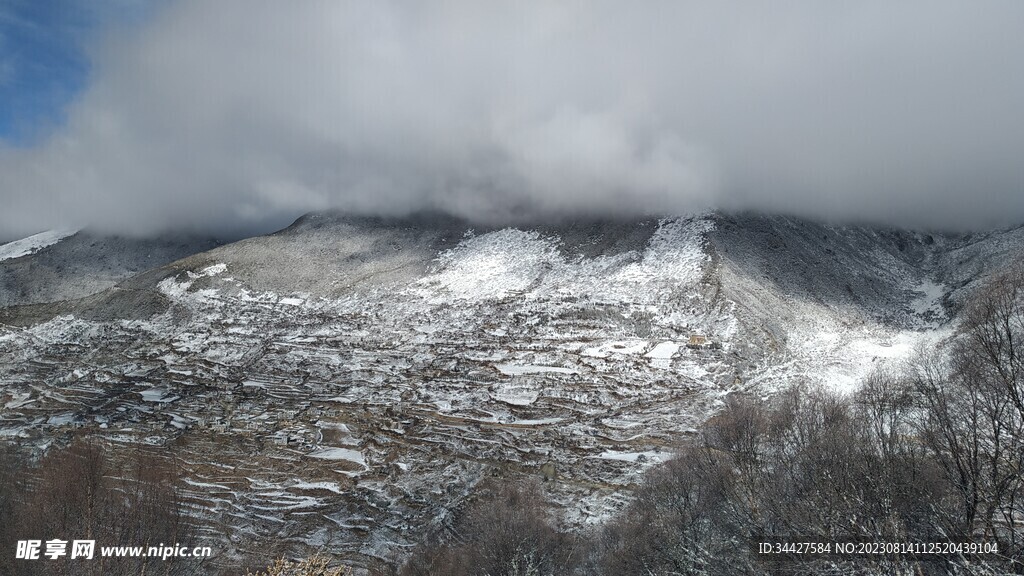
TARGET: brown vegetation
(316,565)
(505,531)
(82,493)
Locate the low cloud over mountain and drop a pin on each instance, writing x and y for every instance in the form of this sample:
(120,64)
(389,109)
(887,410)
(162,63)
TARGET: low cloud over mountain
(239,115)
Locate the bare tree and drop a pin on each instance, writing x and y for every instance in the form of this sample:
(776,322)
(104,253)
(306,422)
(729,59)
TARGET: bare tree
(85,492)
(12,490)
(809,466)
(504,531)
(974,422)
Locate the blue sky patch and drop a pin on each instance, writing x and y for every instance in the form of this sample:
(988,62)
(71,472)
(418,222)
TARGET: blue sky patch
(44,64)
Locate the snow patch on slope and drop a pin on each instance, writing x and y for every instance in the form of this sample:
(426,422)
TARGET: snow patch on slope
(178,289)
(511,261)
(928,306)
(348,454)
(489,266)
(839,358)
(675,253)
(32,244)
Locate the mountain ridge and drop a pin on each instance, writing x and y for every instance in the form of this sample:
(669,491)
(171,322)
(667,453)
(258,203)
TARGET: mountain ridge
(399,362)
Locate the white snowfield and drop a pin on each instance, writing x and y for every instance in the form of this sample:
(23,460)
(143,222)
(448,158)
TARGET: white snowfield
(339,454)
(511,261)
(33,244)
(346,418)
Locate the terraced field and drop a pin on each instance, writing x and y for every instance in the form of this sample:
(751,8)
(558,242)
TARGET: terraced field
(356,408)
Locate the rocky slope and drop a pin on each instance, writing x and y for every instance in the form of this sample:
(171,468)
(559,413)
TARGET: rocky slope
(62,265)
(345,382)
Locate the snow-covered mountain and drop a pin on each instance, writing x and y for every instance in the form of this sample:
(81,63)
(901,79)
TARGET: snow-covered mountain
(345,381)
(61,265)
(32,244)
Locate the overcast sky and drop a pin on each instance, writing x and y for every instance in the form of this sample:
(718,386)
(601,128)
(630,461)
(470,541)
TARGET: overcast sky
(242,114)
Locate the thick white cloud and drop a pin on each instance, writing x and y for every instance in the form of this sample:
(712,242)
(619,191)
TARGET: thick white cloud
(244,113)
